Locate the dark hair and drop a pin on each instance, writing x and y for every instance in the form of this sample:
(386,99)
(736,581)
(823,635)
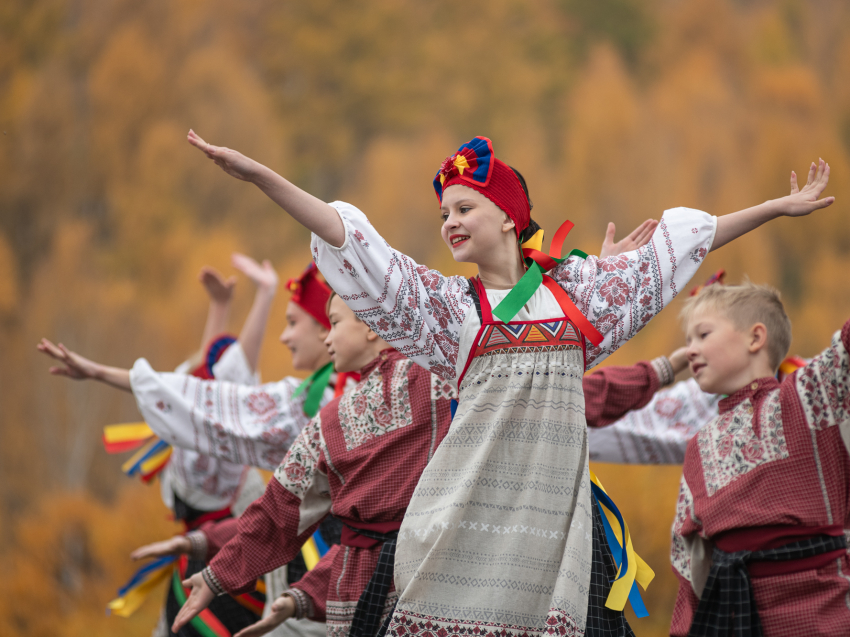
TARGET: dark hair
(328,304)
(532,228)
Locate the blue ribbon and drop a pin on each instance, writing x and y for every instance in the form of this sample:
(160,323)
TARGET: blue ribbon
(621,560)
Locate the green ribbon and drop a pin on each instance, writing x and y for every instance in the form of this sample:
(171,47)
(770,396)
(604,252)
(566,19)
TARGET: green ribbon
(196,622)
(315,385)
(526,287)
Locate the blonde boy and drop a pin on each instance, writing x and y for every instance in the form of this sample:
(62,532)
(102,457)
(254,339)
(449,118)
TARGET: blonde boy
(758,539)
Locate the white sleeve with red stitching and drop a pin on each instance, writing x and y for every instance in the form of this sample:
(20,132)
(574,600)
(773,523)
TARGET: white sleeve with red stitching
(620,294)
(417,311)
(242,424)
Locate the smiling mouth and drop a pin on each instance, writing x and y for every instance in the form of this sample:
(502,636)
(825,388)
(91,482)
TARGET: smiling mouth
(457,239)
(697,368)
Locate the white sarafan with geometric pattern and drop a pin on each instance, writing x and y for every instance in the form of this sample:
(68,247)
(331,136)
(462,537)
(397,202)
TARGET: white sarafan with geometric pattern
(498,535)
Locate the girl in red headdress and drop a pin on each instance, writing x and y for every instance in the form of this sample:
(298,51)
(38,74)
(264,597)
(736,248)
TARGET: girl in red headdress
(503,534)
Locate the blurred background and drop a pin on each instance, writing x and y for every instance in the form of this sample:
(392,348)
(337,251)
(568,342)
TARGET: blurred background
(614,110)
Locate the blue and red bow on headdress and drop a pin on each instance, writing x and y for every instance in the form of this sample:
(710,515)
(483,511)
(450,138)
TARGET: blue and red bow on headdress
(473,162)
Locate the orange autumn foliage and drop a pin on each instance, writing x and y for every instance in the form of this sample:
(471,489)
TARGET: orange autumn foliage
(613,110)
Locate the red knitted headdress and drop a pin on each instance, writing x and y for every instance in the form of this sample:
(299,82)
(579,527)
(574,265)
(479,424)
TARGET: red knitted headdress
(474,165)
(311,294)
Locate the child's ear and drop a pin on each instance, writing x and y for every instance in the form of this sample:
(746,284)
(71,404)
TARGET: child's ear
(371,336)
(508,224)
(758,337)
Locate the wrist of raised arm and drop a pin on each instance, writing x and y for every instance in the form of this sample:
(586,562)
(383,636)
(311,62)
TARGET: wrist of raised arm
(663,368)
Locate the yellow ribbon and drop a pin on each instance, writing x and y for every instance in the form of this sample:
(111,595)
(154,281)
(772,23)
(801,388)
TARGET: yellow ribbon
(132,599)
(638,570)
(125,432)
(310,552)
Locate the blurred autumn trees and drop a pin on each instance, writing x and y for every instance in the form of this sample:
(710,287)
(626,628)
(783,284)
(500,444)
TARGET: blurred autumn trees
(613,109)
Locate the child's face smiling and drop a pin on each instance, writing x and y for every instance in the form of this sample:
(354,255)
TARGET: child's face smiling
(474,228)
(718,352)
(348,342)
(304,337)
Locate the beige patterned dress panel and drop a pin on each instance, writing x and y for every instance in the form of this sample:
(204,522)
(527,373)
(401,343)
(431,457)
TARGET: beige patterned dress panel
(501,530)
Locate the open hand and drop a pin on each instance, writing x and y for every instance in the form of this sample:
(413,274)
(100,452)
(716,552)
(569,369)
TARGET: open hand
(638,238)
(198,600)
(282,609)
(177,545)
(218,288)
(232,162)
(263,275)
(679,360)
(73,365)
(805,201)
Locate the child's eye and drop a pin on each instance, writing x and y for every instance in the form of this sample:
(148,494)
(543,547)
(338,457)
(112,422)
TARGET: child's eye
(464,209)
(444,216)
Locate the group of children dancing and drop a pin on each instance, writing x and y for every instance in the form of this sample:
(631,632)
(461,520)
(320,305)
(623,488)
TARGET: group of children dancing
(440,442)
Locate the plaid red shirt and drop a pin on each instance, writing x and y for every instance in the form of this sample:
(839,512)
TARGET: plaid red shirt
(772,468)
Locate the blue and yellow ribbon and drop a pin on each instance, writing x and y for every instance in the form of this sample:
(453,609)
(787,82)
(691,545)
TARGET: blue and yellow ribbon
(148,460)
(313,550)
(631,569)
(137,588)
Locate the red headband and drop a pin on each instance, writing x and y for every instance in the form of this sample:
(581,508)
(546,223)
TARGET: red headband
(311,294)
(475,166)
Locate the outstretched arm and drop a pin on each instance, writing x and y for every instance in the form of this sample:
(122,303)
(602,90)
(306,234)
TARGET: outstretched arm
(80,368)
(314,214)
(799,203)
(220,291)
(611,392)
(265,278)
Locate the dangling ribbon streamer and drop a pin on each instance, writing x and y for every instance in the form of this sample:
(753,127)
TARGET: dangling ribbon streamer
(149,460)
(313,550)
(137,588)
(315,385)
(631,569)
(126,437)
(538,264)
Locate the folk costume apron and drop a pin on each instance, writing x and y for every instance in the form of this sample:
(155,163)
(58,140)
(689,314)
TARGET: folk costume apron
(503,534)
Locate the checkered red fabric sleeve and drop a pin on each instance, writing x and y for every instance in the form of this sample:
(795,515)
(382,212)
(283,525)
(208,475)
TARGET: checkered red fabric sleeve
(611,392)
(217,533)
(315,584)
(267,537)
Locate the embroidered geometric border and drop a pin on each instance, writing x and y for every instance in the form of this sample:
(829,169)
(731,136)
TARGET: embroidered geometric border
(525,337)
